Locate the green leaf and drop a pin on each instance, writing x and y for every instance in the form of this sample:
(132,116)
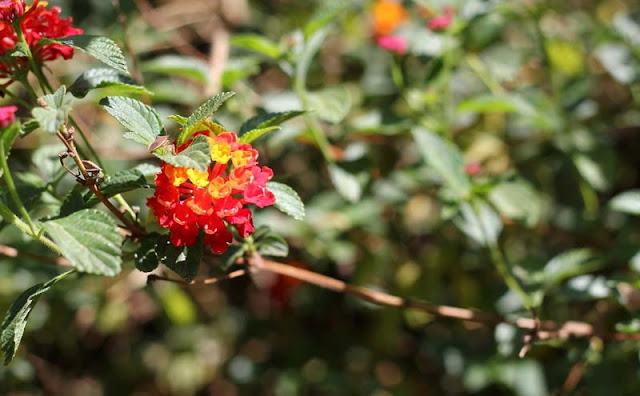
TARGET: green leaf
(255,134)
(8,136)
(627,202)
(52,117)
(179,66)
(345,183)
(231,255)
(187,265)
(489,103)
(102,48)
(207,109)
(570,264)
(141,120)
(72,202)
(517,200)
(15,320)
(90,240)
(123,181)
(312,46)
(330,104)
(103,78)
(146,257)
(257,43)
(324,17)
(178,118)
(287,200)
(196,156)
(444,158)
(266,120)
(273,245)
(483,227)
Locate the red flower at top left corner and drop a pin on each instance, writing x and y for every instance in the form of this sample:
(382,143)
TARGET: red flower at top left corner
(35,22)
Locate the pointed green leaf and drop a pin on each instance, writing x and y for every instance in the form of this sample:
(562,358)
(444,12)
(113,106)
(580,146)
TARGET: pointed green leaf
(90,240)
(123,181)
(207,109)
(444,158)
(146,257)
(330,104)
(483,226)
(8,136)
(187,264)
(141,120)
(266,120)
(570,264)
(15,320)
(287,200)
(102,48)
(517,200)
(180,66)
(106,78)
(54,115)
(345,183)
(255,134)
(273,245)
(231,255)
(627,202)
(196,156)
(257,43)
(322,18)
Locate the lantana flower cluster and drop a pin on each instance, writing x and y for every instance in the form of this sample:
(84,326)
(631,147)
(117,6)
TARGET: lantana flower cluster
(34,22)
(187,201)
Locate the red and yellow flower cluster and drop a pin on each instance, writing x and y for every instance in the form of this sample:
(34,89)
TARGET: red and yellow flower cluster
(187,201)
(35,22)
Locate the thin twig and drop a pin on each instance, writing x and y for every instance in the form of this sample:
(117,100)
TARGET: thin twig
(90,182)
(210,281)
(547,329)
(8,251)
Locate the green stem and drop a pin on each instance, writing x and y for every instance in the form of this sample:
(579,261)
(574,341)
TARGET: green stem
(12,189)
(312,123)
(500,263)
(481,71)
(10,217)
(447,60)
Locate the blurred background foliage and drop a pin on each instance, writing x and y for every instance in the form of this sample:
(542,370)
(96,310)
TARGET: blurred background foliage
(541,102)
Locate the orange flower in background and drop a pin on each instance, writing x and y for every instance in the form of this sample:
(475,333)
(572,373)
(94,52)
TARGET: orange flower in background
(387,16)
(188,201)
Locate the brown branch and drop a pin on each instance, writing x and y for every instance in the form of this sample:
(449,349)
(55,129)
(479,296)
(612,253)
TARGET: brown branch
(544,330)
(90,180)
(210,281)
(8,251)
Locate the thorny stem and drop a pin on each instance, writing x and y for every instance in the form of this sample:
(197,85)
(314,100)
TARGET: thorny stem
(13,191)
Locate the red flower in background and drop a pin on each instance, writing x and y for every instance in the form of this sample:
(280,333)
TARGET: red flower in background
(35,22)
(187,201)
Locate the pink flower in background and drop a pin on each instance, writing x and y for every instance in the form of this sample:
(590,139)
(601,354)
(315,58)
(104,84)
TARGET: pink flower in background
(393,43)
(7,115)
(440,22)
